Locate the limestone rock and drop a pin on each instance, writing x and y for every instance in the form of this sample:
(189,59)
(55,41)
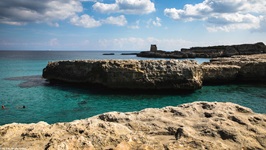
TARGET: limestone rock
(247,67)
(206,125)
(159,74)
(129,74)
(227,50)
(208,52)
(214,74)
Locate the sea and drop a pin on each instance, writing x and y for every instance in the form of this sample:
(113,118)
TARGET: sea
(21,85)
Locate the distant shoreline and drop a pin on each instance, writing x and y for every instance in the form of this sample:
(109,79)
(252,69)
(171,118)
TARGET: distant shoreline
(207,52)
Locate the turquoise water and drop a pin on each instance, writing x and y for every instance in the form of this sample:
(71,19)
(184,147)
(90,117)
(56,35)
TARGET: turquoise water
(21,84)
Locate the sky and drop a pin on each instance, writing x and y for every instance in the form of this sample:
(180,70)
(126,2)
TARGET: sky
(129,24)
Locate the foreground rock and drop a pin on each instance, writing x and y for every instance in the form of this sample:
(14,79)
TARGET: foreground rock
(205,125)
(208,52)
(128,74)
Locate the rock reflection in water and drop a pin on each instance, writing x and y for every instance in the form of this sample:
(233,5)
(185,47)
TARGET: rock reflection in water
(29,81)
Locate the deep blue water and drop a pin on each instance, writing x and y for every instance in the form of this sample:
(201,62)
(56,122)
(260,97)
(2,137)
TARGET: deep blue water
(21,84)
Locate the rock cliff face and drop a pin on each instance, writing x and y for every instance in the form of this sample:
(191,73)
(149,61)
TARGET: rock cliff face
(240,68)
(204,125)
(129,74)
(209,52)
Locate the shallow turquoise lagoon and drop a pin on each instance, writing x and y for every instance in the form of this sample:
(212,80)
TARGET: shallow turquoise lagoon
(21,84)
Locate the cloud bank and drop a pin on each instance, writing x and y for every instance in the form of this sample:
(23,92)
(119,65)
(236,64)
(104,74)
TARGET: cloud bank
(14,12)
(126,6)
(224,15)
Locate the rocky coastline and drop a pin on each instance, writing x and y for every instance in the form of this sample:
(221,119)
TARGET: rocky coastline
(207,52)
(198,125)
(158,74)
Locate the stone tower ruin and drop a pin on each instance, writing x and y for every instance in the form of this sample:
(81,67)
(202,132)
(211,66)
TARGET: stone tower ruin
(153,48)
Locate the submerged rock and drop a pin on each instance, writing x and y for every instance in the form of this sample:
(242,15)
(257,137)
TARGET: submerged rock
(205,125)
(128,74)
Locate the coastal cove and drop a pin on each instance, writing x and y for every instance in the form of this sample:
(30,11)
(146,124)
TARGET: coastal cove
(21,84)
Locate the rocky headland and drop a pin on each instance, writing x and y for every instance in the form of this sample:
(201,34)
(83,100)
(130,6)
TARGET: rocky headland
(198,125)
(158,74)
(207,52)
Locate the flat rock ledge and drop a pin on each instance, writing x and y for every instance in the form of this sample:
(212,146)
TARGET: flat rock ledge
(159,74)
(129,74)
(239,68)
(200,125)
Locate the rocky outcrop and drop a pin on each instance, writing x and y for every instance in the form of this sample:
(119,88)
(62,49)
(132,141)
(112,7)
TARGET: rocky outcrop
(227,51)
(128,74)
(204,125)
(242,68)
(208,52)
(159,74)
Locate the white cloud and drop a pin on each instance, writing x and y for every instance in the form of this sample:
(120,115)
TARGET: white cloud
(157,22)
(126,6)
(54,42)
(53,24)
(85,21)
(50,12)
(135,43)
(16,12)
(88,0)
(225,15)
(135,26)
(228,22)
(119,21)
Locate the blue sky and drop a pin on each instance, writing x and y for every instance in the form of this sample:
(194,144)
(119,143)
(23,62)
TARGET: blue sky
(129,24)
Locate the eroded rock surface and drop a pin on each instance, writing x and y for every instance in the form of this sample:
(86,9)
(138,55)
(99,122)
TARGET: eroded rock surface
(242,68)
(129,74)
(159,74)
(206,125)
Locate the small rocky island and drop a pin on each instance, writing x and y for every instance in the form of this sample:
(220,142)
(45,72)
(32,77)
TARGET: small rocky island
(206,52)
(198,125)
